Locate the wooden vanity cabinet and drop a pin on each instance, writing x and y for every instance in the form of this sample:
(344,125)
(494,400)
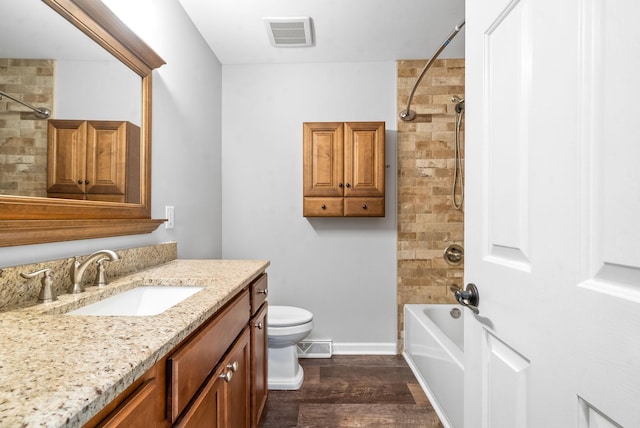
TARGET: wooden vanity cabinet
(215,378)
(343,169)
(93,160)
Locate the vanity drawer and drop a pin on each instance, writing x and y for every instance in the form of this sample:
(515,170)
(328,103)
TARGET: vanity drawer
(259,289)
(192,363)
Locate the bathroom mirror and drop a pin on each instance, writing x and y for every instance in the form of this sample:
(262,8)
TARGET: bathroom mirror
(28,219)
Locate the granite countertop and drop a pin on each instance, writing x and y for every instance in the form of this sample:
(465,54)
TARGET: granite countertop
(59,371)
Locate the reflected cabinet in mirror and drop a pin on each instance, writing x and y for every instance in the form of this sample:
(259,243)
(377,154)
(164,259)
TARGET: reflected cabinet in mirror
(85,171)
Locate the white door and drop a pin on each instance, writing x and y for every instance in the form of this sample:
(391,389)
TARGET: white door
(552,216)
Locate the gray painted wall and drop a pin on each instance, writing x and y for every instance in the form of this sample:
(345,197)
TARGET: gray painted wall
(343,270)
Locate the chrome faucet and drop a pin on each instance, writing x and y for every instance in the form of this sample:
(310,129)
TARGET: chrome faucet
(77,268)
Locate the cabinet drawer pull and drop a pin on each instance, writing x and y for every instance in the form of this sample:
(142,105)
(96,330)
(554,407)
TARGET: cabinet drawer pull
(227,376)
(233,366)
(364,206)
(265,291)
(324,207)
(259,325)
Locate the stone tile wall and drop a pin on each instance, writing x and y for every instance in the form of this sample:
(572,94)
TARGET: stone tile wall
(427,220)
(23,137)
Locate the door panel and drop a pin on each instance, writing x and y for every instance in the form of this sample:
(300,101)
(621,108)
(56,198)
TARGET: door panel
(506,378)
(507,144)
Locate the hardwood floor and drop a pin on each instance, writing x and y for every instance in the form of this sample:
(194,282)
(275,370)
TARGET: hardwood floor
(352,391)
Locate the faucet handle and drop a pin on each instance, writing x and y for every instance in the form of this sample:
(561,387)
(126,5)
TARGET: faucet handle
(47,293)
(101,278)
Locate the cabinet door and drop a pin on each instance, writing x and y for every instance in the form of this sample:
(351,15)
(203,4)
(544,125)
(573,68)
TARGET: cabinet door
(323,159)
(207,409)
(66,157)
(224,400)
(237,388)
(364,158)
(106,157)
(259,360)
(138,411)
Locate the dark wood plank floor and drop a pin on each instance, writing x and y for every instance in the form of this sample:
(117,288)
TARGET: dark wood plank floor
(352,391)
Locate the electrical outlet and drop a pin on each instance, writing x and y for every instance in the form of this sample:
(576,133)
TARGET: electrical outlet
(169,215)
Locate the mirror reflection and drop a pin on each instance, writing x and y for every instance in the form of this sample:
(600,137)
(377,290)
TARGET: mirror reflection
(96,105)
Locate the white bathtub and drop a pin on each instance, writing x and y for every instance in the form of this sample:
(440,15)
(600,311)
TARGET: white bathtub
(434,349)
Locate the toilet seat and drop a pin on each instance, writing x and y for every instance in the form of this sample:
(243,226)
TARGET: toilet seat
(287,316)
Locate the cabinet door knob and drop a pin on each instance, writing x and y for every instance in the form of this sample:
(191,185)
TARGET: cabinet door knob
(265,291)
(79,181)
(324,207)
(233,366)
(340,185)
(259,325)
(227,376)
(86,181)
(348,184)
(364,206)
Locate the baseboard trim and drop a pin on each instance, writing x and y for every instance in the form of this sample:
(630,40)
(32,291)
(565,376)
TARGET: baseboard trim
(365,348)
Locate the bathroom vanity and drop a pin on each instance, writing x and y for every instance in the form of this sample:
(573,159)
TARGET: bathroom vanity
(202,359)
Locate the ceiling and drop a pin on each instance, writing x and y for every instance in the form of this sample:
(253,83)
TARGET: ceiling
(343,30)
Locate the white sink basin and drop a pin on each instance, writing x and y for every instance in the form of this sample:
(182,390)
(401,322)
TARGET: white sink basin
(141,301)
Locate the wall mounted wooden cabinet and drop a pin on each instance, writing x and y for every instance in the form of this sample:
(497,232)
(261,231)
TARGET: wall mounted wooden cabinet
(94,160)
(344,169)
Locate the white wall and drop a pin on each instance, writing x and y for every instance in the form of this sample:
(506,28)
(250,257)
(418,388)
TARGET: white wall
(186,147)
(343,270)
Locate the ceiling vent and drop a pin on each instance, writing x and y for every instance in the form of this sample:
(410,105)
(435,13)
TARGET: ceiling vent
(289,32)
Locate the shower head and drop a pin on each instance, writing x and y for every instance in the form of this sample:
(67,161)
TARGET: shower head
(408,114)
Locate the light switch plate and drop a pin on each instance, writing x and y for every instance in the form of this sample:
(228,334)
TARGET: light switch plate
(169,215)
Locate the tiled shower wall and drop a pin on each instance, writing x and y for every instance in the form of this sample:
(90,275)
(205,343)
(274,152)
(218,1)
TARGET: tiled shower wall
(427,220)
(23,137)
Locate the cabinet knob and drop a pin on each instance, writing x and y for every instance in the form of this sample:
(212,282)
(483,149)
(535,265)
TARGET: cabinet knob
(259,325)
(364,206)
(340,185)
(265,292)
(79,181)
(233,366)
(348,184)
(324,207)
(86,181)
(227,376)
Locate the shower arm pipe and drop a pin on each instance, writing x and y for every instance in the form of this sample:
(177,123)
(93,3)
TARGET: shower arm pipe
(40,112)
(407,114)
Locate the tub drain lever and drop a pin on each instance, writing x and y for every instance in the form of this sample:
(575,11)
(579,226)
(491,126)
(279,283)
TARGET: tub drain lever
(468,297)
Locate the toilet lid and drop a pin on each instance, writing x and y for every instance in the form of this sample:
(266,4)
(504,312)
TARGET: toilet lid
(284,316)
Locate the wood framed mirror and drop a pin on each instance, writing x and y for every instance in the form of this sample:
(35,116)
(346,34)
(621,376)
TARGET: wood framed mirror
(31,220)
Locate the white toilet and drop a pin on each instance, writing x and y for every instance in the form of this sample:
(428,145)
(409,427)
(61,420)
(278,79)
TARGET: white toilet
(286,326)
